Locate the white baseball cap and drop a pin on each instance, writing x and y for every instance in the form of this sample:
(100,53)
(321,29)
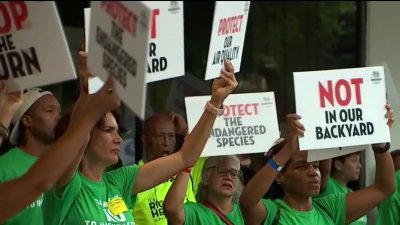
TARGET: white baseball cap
(28,99)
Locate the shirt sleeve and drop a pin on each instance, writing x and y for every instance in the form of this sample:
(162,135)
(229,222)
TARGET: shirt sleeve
(190,210)
(334,206)
(272,209)
(124,178)
(55,208)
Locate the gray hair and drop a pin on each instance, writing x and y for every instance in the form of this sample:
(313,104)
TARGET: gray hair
(202,191)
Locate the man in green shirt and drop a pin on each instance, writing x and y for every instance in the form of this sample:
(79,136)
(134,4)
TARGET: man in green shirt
(32,134)
(159,139)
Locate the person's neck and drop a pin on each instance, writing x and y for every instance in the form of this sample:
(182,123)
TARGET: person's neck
(91,169)
(224,204)
(298,202)
(340,179)
(34,147)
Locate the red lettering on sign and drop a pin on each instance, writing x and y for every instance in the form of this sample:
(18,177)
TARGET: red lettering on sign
(154,13)
(330,94)
(230,25)
(241,109)
(12,12)
(122,15)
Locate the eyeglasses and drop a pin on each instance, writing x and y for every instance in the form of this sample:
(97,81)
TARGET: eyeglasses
(222,171)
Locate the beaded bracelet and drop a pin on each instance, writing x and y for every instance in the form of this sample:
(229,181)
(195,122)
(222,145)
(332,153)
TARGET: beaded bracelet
(212,109)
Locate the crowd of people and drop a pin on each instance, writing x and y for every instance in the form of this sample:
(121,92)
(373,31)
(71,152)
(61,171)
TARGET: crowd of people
(56,172)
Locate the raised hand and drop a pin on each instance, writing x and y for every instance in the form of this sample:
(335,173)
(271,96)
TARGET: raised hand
(9,102)
(296,129)
(390,121)
(180,124)
(105,100)
(225,84)
(389,114)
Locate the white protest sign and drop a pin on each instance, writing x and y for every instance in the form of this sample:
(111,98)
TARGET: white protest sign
(94,83)
(166,58)
(227,36)
(33,48)
(341,108)
(118,43)
(249,123)
(328,153)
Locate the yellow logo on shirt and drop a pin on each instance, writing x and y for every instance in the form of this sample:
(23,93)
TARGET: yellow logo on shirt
(117,206)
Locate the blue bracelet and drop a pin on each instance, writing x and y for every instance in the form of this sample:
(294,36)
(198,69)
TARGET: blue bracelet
(278,168)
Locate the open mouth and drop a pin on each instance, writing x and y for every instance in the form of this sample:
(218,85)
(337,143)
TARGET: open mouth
(227,185)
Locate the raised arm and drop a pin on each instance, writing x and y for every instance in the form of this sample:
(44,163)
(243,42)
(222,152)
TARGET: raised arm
(325,169)
(173,203)
(78,110)
(156,171)
(250,200)
(358,203)
(9,104)
(47,170)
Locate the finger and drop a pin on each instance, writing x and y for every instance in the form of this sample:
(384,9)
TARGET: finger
(228,66)
(292,116)
(228,80)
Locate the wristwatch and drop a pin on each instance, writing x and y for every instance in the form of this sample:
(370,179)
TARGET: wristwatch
(382,150)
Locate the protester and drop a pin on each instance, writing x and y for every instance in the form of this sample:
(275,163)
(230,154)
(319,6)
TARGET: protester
(299,180)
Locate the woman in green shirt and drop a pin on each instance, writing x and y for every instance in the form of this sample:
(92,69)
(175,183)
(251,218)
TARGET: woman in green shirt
(299,180)
(216,197)
(88,195)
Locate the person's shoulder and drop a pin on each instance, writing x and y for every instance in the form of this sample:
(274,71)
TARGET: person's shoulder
(9,156)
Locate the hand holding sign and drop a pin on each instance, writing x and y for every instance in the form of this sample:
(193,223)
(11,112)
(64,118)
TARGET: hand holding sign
(9,102)
(296,129)
(105,100)
(389,114)
(390,121)
(224,85)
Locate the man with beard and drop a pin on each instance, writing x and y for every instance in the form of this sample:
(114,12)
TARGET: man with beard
(160,136)
(32,135)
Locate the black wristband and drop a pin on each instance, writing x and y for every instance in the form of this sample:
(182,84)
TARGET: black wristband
(382,150)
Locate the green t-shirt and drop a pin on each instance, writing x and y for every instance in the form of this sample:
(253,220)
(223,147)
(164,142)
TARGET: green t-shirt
(389,209)
(328,210)
(148,208)
(86,202)
(14,164)
(334,187)
(199,214)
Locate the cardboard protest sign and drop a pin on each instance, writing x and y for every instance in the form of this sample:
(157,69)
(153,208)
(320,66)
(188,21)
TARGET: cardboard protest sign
(249,123)
(166,58)
(341,108)
(94,83)
(33,48)
(227,36)
(328,153)
(118,40)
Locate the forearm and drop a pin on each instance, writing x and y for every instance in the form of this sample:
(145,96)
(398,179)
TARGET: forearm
(173,203)
(15,195)
(261,182)
(325,168)
(55,162)
(384,175)
(197,139)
